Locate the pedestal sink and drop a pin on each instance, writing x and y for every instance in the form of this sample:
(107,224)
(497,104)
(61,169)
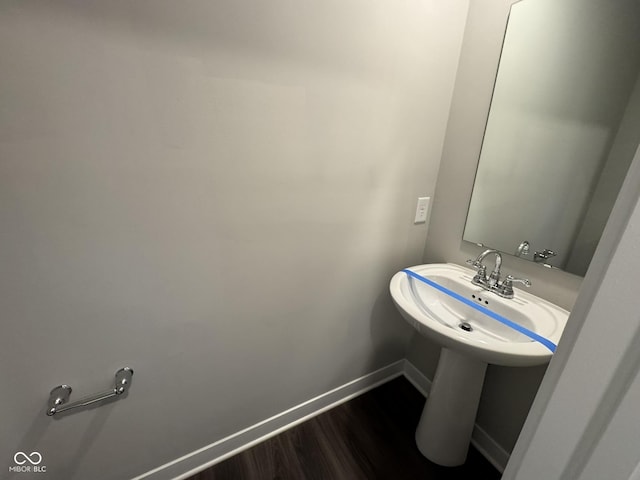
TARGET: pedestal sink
(470,340)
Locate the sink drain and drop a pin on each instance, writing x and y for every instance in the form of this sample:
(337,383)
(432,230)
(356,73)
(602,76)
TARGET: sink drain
(465,326)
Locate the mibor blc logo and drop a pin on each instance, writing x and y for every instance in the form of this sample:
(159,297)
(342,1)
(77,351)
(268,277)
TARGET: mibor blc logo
(30,463)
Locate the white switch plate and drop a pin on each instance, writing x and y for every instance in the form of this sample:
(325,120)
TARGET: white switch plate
(422,210)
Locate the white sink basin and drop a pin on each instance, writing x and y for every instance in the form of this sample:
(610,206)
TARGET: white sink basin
(444,431)
(438,316)
(448,418)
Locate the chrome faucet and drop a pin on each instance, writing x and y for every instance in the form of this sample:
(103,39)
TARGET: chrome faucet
(492,282)
(481,278)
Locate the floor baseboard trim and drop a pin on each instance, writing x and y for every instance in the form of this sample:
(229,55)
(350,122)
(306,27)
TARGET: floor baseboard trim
(489,448)
(417,378)
(201,459)
(480,439)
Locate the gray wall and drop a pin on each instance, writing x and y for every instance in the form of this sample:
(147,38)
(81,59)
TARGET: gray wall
(215,194)
(508,392)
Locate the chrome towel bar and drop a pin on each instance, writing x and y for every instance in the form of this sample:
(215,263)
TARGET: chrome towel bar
(59,396)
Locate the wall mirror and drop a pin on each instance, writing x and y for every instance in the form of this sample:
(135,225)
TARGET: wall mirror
(562,129)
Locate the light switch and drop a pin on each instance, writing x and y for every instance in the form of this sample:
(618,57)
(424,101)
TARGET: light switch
(422,210)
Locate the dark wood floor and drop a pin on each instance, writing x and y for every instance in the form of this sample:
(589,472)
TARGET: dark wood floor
(369,437)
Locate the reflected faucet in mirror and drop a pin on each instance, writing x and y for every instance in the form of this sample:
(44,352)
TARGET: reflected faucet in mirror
(523,249)
(543,256)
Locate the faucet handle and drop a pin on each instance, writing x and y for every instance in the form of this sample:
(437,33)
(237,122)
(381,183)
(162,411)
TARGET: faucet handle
(474,263)
(506,289)
(480,278)
(525,281)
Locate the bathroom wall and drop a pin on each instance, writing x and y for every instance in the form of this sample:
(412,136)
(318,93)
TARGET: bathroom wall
(508,392)
(215,194)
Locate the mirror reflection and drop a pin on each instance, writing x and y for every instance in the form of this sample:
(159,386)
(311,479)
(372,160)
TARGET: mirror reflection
(563,127)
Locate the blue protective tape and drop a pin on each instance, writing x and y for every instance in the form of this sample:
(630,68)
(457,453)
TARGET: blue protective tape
(525,331)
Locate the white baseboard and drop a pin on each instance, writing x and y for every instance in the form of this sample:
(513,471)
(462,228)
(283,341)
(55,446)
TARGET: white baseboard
(489,448)
(201,459)
(417,379)
(480,439)
(216,452)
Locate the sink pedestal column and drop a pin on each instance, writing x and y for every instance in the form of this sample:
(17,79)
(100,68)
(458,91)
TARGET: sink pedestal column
(444,431)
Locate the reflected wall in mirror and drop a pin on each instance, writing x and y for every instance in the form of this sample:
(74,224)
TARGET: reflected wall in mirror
(563,127)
